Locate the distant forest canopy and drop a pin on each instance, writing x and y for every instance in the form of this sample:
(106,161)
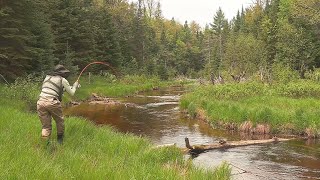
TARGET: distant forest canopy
(136,38)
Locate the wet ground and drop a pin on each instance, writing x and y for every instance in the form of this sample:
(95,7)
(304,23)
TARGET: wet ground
(156,115)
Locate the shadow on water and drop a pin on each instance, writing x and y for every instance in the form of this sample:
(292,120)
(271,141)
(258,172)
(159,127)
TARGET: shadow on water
(155,115)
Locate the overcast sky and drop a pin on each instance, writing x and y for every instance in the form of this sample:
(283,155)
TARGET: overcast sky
(201,11)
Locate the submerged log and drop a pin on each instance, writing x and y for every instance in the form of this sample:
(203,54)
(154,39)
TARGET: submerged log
(222,144)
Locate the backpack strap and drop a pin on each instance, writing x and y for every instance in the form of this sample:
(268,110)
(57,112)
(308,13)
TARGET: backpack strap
(58,92)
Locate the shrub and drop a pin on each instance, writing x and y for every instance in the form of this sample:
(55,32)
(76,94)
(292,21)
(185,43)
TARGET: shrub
(25,89)
(313,75)
(299,89)
(283,74)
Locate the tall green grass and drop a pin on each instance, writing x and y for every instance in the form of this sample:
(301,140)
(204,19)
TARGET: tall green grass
(88,152)
(110,87)
(28,89)
(24,91)
(297,104)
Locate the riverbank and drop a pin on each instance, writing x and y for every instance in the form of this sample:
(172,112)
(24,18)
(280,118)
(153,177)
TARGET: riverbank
(89,152)
(291,109)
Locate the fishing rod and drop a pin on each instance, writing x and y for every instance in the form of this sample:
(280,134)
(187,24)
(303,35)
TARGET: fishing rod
(97,62)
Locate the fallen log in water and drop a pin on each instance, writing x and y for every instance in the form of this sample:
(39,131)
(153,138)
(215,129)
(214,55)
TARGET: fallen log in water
(197,149)
(164,145)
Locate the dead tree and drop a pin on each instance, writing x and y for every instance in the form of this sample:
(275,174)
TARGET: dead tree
(239,78)
(216,80)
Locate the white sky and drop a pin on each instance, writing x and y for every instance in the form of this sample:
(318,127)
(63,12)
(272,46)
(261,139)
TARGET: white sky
(201,11)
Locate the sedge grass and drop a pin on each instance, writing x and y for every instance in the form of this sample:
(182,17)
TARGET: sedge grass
(237,103)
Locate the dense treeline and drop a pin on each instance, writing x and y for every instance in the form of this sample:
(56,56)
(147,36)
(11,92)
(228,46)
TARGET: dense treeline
(269,36)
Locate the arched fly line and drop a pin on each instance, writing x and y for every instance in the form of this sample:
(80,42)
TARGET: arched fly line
(98,62)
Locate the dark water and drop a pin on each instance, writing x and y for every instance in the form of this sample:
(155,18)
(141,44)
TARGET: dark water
(155,115)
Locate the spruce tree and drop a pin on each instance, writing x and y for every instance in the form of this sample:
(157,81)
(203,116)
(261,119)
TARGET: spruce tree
(26,39)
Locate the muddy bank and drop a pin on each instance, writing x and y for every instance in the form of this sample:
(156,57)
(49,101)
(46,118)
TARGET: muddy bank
(248,128)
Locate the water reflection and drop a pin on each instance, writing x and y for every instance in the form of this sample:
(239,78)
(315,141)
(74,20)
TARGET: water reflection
(270,161)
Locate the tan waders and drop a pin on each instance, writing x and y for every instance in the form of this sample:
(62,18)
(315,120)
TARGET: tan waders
(49,108)
(49,103)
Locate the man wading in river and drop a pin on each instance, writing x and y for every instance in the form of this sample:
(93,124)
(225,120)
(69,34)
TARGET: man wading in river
(49,103)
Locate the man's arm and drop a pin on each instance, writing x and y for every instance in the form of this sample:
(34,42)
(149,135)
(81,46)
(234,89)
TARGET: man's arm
(70,89)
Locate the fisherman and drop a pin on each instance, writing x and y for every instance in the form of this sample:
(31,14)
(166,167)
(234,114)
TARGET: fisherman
(49,103)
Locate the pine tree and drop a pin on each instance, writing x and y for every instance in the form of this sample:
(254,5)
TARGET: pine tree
(237,23)
(138,42)
(107,47)
(218,26)
(26,43)
(70,20)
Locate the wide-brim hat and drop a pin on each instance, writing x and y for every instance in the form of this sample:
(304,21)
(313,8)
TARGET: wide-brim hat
(60,70)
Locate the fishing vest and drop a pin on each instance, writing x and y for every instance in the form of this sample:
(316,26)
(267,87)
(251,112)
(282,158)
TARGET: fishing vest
(52,87)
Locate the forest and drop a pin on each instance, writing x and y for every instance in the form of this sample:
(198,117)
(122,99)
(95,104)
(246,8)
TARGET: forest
(268,40)
(267,57)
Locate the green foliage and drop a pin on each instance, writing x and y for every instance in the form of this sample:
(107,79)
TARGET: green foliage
(299,89)
(110,87)
(314,75)
(296,103)
(296,89)
(139,79)
(26,42)
(283,74)
(163,72)
(192,110)
(39,34)
(264,115)
(88,152)
(110,78)
(244,53)
(24,89)
(233,91)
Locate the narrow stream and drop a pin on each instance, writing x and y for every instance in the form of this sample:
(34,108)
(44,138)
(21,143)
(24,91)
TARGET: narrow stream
(156,115)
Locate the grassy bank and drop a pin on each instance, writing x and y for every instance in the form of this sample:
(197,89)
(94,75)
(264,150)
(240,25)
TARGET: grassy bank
(287,108)
(111,87)
(28,89)
(89,152)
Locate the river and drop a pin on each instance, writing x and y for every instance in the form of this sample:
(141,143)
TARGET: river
(156,116)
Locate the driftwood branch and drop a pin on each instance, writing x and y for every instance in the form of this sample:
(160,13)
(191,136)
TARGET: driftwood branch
(197,149)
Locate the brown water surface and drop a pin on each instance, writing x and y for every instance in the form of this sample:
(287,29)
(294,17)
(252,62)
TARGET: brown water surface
(155,115)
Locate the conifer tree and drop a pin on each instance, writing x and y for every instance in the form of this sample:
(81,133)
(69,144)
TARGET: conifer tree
(26,42)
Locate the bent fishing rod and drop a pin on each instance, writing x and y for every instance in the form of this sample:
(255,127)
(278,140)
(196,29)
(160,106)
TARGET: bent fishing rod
(97,62)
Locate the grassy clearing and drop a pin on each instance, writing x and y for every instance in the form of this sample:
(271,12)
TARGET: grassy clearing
(294,107)
(88,152)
